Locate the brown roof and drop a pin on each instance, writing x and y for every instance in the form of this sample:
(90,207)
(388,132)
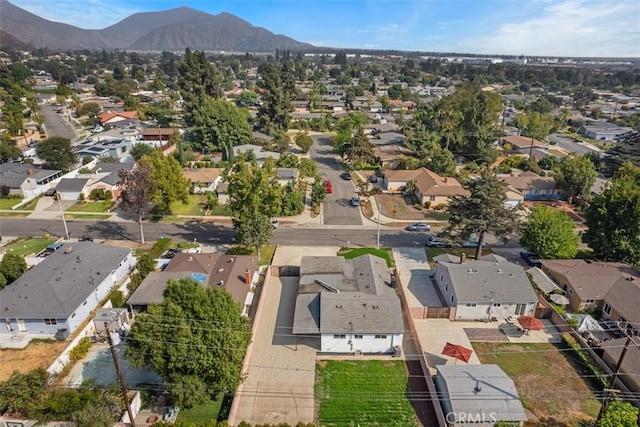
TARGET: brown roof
(528,180)
(390,152)
(202,174)
(105,117)
(227,269)
(631,362)
(624,296)
(521,141)
(401,174)
(590,280)
(431,184)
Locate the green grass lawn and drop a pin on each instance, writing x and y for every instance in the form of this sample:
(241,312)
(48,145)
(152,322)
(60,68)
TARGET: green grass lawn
(29,246)
(266,252)
(90,206)
(86,216)
(539,371)
(364,393)
(437,215)
(384,253)
(23,214)
(195,204)
(200,414)
(8,203)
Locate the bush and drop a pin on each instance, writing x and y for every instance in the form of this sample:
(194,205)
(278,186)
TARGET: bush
(80,350)
(136,279)
(427,204)
(116,298)
(160,247)
(585,358)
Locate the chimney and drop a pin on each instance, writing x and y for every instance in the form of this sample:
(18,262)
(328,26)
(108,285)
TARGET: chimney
(247,279)
(29,171)
(463,257)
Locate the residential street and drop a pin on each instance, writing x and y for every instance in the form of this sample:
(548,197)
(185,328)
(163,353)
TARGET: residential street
(336,208)
(569,144)
(57,124)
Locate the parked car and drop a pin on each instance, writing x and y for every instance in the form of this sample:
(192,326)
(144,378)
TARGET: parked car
(346,176)
(373,178)
(418,226)
(50,192)
(436,242)
(274,223)
(328,187)
(471,242)
(354,201)
(530,258)
(86,238)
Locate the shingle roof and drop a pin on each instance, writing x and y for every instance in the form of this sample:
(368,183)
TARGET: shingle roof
(204,175)
(14,174)
(72,185)
(521,141)
(61,282)
(542,280)
(356,312)
(431,184)
(151,290)
(480,389)
(590,280)
(490,276)
(528,180)
(624,296)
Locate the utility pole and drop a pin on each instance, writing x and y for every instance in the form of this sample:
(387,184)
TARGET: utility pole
(120,378)
(614,378)
(64,221)
(378,234)
(531,148)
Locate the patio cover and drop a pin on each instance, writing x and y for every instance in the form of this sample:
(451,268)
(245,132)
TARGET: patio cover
(542,280)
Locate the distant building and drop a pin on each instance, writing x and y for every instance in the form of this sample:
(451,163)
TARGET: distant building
(603,130)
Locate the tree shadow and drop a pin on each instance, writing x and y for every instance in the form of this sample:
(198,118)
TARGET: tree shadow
(109,230)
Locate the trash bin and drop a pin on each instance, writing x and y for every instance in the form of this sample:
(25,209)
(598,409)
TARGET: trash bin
(397,351)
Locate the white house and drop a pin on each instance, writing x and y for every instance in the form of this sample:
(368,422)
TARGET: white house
(487,288)
(350,304)
(63,290)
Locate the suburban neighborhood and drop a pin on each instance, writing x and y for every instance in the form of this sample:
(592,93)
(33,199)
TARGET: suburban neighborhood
(317,237)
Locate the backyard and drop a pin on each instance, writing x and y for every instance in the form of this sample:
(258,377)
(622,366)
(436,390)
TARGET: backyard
(38,354)
(548,381)
(365,393)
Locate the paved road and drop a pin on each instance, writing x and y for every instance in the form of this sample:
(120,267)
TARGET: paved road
(569,144)
(336,207)
(57,124)
(210,234)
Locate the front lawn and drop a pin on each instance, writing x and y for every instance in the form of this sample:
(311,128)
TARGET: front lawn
(384,253)
(196,204)
(266,252)
(363,393)
(89,206)
(546,380)
(29,246)
(8,203)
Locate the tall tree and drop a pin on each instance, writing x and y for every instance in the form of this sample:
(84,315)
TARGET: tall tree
(304,141)
(619,414)
(195,340)
(613,219)
(221,125)
(482,211)
(550,234)
(198,79)
(575,176)
(136,199)
(57,152)
(278,85)
(170,185)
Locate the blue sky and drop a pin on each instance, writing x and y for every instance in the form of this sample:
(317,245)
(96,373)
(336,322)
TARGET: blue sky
(529,27)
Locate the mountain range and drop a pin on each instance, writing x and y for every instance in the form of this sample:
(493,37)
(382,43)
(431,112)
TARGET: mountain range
(172,30)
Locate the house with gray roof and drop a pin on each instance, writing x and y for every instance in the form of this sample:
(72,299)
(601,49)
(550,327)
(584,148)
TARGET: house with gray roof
(71,188)
(261,155)
(486,288)
(64,289)
(349,303)
(478,395)
(26,180)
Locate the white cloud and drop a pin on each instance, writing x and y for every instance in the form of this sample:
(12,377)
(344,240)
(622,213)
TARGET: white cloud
(571,27)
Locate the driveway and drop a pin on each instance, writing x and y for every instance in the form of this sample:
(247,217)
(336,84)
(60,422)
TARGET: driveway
(336,207)
(415,276)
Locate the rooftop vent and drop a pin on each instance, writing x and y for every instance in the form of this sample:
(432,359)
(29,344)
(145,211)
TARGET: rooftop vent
(68,250)
(220,270)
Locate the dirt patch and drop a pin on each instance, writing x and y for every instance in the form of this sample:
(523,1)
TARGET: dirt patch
(128,244)
(485,335)
(33,356)
(399,207)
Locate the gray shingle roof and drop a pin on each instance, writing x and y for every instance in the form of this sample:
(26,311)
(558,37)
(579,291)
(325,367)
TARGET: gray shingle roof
(542,280)
(491,276)
(479,389)
(59,284)
(72,185)
(151,290)
(360,313)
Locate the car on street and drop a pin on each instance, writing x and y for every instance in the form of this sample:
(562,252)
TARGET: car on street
(437,242)
(418,226)
(328,187)
(530,258)
(373,178)
(346,176)
(354,201)
(471,242)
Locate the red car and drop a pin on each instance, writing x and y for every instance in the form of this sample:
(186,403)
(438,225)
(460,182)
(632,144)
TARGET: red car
(328,186)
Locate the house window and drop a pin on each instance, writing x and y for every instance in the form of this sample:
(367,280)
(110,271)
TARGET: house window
(357,336)
(339,336)
(380,337)
(51,322)
(497,304)
(432,198)
(470,304)
(607,309)
(589,301)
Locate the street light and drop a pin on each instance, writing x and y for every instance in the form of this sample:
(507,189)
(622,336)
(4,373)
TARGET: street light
(378,236)
(64,222)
